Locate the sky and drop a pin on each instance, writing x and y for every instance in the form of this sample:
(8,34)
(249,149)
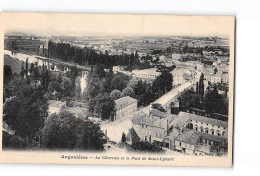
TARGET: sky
(68,24)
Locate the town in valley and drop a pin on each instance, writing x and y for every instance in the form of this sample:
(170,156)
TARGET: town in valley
(148,94)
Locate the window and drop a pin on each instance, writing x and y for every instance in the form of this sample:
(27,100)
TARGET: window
(145,138)
(142,125)
(212,132)
(218,133)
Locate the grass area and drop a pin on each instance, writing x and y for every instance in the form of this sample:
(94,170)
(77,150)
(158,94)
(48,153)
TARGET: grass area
(79,112)
(16,65)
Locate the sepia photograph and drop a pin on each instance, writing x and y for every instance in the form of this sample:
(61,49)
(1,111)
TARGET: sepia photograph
(117,89)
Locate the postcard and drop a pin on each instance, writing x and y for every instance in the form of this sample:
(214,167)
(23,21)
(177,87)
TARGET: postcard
(117,89)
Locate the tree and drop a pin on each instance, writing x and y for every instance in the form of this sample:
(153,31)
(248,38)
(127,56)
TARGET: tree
(127,92)
(158,107)
(123,139)
(215,103)
(22,70)
(45,78)
(60,132)
(26,112)
(91,105)
(162,84)
(189,99)
(118,83)
(65,131)
(93,137)
(14,142)
(201,86)
(105,106)
(145,147)
(7,74)
(99,70)
(215,71)
(26,67)
(31,68)
(115,94)
(197,87)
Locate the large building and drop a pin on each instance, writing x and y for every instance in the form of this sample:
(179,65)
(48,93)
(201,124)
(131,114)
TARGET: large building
(179,76)
(125,106)
(146,74)
(152,127)
(187,133)
(213,78)
(198,134)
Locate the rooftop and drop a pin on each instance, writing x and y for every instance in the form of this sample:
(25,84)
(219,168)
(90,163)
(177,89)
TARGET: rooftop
(189,137)
(203,119)
(156,112)
(124,101)
(140,119)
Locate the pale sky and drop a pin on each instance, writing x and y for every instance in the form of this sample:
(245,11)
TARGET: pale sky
(69,24)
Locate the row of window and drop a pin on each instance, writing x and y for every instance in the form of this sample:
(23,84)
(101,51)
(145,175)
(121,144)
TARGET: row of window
(208,124)
(212,131)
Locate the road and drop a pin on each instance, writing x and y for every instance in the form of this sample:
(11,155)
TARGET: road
(116,128)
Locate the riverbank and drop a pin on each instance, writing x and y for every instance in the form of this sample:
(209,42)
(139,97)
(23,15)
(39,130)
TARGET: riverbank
(29,54)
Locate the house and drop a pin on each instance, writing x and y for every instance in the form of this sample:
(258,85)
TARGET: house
(186,142)
(118,68)
(176,56)
(178,76)
(198,135)
(146,74)
(213,78)
(151,72)
(125,106)
(121,69)
(225,78)
(203,124)
(152,127)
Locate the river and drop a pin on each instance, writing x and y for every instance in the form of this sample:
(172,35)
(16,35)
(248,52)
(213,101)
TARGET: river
(52,65)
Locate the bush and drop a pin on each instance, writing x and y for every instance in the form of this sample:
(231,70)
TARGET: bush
(145,147)
(14,142)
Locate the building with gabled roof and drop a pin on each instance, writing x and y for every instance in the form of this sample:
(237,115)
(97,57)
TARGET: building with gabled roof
(152,127)
(125,106)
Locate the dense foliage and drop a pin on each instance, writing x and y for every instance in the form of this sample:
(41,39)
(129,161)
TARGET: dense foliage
(26,108)
(66,132)
(86,56)
(14,142)
(212,102)
(145,147)
(158,107)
